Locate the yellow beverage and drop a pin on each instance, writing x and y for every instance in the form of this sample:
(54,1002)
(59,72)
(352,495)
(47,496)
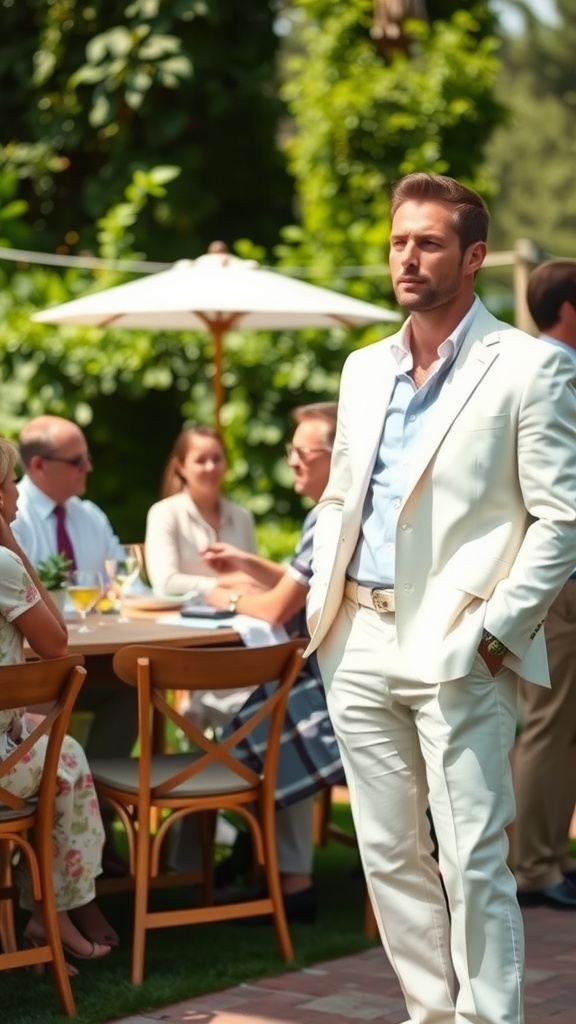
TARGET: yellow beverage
(83,598)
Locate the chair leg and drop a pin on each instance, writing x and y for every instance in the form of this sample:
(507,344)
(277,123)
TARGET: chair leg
(274,890)
(52,933)
(7,895)
(322,809)
(370,923)
(141,878)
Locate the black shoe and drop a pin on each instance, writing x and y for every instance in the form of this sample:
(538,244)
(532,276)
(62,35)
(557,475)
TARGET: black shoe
(237,864)
(299,906)
(561,896)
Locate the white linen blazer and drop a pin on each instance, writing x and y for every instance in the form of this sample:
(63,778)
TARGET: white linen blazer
(487,531)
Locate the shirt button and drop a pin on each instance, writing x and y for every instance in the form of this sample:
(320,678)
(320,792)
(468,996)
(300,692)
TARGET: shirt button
(411,418)
(396,503)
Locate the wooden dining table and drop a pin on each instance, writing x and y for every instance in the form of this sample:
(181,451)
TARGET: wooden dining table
(107,635)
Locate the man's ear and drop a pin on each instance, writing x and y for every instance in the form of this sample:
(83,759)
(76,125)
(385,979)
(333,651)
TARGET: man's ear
(36,463)
(475,256)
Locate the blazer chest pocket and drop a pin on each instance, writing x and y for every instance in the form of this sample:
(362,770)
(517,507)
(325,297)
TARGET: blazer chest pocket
(469,424)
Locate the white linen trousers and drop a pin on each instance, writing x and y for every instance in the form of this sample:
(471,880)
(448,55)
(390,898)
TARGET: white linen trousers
(406,744)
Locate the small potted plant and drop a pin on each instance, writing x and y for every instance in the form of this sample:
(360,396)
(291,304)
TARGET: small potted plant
(54,572)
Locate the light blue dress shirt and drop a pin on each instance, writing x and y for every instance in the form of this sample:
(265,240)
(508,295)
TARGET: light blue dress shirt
(407,418)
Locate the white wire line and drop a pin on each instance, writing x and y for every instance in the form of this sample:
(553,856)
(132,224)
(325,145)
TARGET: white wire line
(495,259)
(48,259)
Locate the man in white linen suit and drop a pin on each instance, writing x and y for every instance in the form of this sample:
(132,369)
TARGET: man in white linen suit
(447,527)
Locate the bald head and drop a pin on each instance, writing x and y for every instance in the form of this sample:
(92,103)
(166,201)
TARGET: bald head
(55,455)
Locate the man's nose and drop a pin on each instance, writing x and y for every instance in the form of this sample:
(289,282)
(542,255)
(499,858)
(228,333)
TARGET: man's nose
(409,256)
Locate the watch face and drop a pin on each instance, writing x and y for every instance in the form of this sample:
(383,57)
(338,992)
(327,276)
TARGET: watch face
(496,647)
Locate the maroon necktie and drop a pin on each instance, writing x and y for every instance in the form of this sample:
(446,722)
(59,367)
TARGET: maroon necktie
(63,542)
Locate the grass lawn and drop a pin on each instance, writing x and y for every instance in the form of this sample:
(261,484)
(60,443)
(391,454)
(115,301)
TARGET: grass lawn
(187,961)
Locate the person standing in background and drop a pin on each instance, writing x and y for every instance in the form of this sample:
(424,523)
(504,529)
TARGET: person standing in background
(446,530)
(545,754)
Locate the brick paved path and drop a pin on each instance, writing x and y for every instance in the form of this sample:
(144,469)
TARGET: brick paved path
(363,987)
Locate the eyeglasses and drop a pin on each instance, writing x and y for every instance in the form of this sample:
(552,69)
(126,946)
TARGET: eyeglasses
(302,454)
(78,461)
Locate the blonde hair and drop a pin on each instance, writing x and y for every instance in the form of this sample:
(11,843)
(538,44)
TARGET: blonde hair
(8,458)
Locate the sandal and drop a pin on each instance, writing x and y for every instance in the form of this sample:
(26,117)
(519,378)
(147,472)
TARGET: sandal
(33,941)
(90,921)
(36,937)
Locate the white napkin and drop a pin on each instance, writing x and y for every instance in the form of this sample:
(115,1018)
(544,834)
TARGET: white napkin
(254,632)
(257,633)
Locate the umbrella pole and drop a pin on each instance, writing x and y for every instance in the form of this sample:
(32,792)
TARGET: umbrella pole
(217,330)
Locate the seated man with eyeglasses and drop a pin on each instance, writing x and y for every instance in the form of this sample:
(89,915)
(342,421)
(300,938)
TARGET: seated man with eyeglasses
(53,518)
(55,457)
(309,756)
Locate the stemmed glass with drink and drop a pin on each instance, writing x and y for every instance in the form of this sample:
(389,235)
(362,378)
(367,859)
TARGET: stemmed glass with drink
(84,588)
(123,571)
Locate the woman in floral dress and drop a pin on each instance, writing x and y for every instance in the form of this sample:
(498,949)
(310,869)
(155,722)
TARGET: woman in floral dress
(27,612)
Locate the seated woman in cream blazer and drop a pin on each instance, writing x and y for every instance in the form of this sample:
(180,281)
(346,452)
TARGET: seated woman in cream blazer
(192,515)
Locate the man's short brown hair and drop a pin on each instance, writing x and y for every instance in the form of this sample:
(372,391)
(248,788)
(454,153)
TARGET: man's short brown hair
(471,216)
(549,287)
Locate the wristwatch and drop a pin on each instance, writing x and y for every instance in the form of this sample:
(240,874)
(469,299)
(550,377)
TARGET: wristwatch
(494,646)
(233,602)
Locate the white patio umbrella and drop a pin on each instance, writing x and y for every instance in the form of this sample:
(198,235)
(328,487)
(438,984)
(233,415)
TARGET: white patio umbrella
(217,292)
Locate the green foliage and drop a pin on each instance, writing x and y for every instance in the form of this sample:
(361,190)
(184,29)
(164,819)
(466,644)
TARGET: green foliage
(362,122)
(90,94)
(54,571)
(533,157)
(148,128)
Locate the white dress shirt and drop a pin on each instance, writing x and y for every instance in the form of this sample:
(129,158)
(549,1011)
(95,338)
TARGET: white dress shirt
(90,530)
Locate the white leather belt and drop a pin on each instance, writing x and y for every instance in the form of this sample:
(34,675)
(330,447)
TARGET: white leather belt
(378,598)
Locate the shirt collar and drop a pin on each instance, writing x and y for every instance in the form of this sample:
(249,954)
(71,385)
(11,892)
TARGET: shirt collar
(402,352)
(225,512)
(43,504)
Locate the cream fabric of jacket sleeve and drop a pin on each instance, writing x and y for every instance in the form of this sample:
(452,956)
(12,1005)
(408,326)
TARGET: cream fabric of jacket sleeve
(176,536)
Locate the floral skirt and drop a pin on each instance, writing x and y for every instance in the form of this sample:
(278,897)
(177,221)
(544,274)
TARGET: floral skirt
(77,833)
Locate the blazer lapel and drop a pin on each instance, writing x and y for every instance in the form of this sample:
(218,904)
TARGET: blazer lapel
(479,350)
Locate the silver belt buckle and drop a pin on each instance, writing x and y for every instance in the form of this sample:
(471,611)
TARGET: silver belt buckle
(382,601)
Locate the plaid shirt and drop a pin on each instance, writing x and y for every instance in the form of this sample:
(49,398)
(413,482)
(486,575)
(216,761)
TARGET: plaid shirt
(309,757)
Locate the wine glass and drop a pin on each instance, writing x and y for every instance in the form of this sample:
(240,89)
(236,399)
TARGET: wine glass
(84,587)
(123,571)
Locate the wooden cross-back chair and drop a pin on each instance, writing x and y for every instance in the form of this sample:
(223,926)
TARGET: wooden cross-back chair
(26,825)
(206,780)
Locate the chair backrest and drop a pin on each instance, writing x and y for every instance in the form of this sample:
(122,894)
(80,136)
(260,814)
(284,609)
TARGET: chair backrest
(155,670)
(55,684)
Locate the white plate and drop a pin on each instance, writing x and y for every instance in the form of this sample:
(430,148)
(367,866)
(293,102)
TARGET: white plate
(155,602)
